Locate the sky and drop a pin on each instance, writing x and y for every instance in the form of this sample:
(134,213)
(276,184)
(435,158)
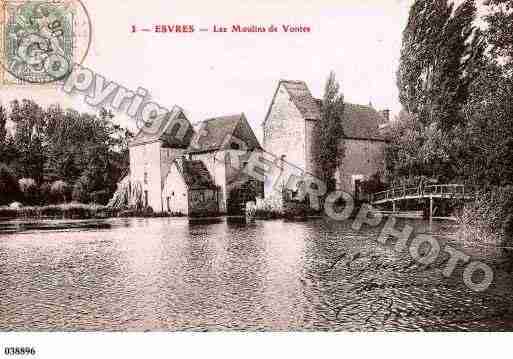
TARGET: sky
(213,74)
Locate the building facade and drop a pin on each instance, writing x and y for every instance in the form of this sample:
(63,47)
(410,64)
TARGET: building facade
(197,173)
(291,132)
(179,168)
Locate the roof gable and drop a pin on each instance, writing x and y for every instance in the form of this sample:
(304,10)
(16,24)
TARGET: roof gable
(303,99)
(214,134)
(244,133)
(160,129)
(359,122)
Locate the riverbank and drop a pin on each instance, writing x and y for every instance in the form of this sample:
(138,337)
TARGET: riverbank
(77,211)
(489,219)
(64,210)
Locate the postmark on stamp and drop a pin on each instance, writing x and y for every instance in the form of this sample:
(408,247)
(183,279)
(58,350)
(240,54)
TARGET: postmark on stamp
(42,40)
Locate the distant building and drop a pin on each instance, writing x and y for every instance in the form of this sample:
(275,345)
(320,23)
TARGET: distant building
(177,168)
(223,144)
(291,129)
(180,170)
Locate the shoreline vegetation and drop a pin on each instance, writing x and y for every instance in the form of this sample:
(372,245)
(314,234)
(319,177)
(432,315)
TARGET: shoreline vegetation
(489,219)
(78,211)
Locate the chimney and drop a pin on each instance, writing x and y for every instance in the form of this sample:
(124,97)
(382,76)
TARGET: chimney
(386,115)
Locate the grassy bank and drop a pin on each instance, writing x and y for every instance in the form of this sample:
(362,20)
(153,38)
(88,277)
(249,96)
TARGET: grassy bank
(65,211)
(489,219)
(77,211)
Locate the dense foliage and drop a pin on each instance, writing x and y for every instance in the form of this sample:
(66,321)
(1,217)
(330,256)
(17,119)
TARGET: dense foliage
(490,217)
(456,125)
(441,55)
(53,156)
(456,88)
(330,148)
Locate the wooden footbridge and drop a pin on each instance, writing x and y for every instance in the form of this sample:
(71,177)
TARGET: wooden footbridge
(431,192)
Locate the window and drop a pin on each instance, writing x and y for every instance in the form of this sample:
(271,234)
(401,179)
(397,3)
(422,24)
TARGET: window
(146,199)
(145,177)
(235,146)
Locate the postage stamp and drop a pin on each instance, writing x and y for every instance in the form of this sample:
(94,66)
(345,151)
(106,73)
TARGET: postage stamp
(41,40)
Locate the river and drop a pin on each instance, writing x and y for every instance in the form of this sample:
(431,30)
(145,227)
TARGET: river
(167,274)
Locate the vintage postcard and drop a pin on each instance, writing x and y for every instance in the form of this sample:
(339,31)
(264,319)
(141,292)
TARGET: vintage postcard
(254,166)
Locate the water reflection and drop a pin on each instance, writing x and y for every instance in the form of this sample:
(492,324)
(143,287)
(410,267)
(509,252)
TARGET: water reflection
(177,274)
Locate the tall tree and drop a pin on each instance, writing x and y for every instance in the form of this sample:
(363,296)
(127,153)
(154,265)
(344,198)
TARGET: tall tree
(499,31)
(488,153)
(331,131)
(3,131)
(28,138)
(441,54)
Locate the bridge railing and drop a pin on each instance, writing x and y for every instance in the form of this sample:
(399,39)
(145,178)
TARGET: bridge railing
(435,190)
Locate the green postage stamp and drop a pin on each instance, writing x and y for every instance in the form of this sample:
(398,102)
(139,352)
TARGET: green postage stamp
(39,41)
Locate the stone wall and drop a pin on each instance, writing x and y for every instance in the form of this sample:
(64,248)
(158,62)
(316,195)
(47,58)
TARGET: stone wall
(167,157)
(284,134)
(363,158)
(175,194)
(145,169)
(214,162)
(203,202)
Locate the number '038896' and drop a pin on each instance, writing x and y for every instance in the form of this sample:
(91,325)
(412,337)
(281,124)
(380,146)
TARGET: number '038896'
(19,351)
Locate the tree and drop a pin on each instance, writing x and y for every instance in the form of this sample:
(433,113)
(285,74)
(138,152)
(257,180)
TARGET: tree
(45,192)
(52,145)
(81,190)
(487,157)
(418,153)
(28,138)
(29,190)
(499,32)
(3,131)
(9,190)
(60,190)
(442,52)
(330,131)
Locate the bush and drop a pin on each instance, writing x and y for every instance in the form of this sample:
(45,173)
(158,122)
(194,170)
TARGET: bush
(489,219)
(148,212)
(268,208)
(101,197)
(6,212)
(9,189)
(68,210)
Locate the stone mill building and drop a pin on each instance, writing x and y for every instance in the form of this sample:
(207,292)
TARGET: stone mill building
(193,174)
(202,172)
(291,128)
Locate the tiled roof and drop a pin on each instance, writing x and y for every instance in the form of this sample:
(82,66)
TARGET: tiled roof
(361,122)
(159,129)
(196,175)
(302,98)
(213,133)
